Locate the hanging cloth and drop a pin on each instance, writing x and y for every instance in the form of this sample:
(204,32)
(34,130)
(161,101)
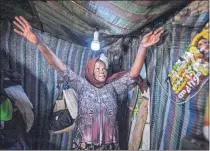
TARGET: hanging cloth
(23,103)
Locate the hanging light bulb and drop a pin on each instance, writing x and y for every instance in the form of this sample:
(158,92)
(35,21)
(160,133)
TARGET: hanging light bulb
(95,44)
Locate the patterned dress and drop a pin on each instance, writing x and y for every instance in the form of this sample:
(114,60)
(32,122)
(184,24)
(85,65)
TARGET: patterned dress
(96,126)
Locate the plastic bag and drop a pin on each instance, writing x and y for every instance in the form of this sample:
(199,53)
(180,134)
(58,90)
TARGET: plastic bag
(64,112)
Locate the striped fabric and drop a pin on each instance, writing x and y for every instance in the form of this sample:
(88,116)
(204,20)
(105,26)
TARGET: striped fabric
(76,20)
(40,79)
(171,122)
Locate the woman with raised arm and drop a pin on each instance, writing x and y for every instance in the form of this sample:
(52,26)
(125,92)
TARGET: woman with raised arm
(95,126)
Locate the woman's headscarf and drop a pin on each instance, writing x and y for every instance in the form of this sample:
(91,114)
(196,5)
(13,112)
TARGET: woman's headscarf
(89,74)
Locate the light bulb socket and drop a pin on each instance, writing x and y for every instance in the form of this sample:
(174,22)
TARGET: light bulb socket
(95,36)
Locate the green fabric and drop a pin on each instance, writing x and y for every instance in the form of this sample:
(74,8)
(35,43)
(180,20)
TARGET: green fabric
(6,110)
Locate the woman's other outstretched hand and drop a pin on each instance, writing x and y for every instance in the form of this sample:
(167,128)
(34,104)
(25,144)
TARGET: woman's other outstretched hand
(148,40)
(151,38)
(25,30)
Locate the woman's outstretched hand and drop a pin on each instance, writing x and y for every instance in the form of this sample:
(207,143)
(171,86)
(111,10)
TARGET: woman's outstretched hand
(25,29)
(148,40)
(152,38)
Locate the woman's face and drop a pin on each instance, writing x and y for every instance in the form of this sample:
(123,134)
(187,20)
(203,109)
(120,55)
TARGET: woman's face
(100,72)
(204,44)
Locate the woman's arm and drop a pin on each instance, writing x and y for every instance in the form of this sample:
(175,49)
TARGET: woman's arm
(25,30)
(147,41)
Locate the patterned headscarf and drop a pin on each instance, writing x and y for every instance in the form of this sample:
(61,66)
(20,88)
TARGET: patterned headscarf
(89,74)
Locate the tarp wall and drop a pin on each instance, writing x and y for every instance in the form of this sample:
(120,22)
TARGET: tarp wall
(40,80)
(171,122)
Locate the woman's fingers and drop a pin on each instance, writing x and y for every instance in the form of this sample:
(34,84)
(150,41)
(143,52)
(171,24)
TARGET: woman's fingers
(25,21)
(158,35)
(18,32)
(18,25)
(20,22)
(148,34)
(158,31)
(156,40)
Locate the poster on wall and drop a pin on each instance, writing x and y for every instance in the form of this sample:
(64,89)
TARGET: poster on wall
(192,68)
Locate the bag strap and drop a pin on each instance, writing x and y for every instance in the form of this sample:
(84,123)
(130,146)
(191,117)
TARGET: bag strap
(61,96)
(64,99)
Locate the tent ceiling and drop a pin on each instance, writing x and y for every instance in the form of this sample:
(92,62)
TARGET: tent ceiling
(76,20)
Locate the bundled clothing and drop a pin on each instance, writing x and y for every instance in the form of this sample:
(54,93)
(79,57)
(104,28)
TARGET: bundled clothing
(18,117)
(22,102)
(13,134)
